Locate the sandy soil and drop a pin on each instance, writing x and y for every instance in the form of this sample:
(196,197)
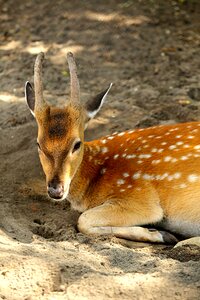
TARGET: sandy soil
(150,51)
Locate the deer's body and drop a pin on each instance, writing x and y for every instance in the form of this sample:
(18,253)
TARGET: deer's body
(144,174)
(122,181)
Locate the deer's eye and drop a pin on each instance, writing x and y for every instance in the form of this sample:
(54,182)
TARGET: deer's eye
(38,146)
(76,146)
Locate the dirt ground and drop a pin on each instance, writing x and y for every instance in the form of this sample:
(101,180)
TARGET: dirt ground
(150,51)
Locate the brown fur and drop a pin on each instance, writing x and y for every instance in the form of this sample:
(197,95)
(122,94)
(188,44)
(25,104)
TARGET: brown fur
(57,129)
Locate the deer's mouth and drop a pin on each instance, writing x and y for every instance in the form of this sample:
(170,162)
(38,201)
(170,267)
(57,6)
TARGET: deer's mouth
(59,192)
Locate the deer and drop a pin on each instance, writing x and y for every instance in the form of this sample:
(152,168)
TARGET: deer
(141,184)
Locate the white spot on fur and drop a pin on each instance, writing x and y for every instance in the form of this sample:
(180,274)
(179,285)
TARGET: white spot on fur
(154,150)
(172,147)
(164,143)
(182,186)
(104,150)
(129,186)
(197,147)
(126,174)
(170,178)
(186,146)
(195,130)
(160,150)
(184,157)
(144,156)
(178,136)
(177,175)
(174,160)
(120,181)
(129,156)
(158,177)
(122,190)
(103,141)
(163,176)
(110,137)
(148,177)
(116,156)
(139,162)
(121,133)
(167,158)
(136,175)
(174,129)
(193,177)
(155,161)
(179,143)
(190,136)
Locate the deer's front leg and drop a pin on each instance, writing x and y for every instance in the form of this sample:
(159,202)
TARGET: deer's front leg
(113,218)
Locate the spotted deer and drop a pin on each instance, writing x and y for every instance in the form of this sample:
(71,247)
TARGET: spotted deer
(122,181)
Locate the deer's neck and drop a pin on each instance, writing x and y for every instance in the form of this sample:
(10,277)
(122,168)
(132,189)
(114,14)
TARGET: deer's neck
(87,175)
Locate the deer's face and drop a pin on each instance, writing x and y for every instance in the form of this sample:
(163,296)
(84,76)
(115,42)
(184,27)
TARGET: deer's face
(60,147)
(60,131)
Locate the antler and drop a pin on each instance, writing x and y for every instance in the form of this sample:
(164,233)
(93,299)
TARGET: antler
(39,103)
(75,89)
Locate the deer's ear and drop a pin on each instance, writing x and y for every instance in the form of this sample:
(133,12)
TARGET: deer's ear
(30,97)
(94,105)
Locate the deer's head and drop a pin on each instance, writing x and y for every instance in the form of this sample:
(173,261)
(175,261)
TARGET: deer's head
(60,130)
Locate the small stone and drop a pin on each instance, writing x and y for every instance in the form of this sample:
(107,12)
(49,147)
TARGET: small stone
(62,287)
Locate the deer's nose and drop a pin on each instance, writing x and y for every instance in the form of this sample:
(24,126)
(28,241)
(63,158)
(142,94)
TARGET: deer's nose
(55,190)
